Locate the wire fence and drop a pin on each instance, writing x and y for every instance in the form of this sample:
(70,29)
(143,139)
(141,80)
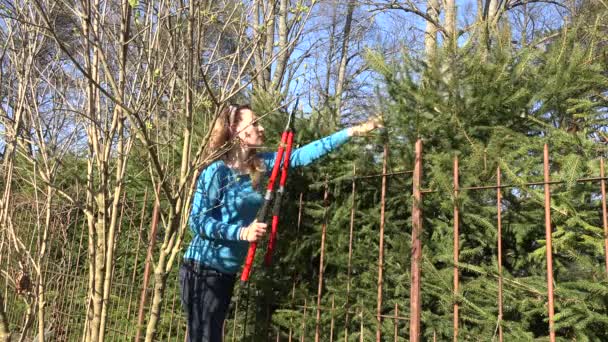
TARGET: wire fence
(395,315)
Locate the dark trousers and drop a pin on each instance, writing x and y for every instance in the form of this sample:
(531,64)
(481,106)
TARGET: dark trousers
(205,295)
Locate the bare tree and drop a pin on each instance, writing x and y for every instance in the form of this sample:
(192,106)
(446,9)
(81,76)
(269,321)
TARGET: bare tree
(107,142)
(38,140)
(153,75)
(199,73)
(202,86)
(278,26)
(22,59)
(450,23)
(338,35)
(344,58)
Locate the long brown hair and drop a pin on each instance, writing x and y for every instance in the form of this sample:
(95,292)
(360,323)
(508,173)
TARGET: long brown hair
(223,140)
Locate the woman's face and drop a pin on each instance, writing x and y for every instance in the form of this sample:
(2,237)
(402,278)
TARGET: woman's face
(249,131)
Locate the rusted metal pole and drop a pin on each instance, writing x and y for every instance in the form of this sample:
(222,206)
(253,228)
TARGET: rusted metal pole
(299,213)
(303,323)
(381,248)
(62,306)
(123,276)
(350,252)
(490,187)
(548,239)
(142,301)
(361,326)
(396,323)
(356,312)
(293,295)
(331,327)
(321,261)
(604,215)
(77,283)
(293,290)
(416,247)
(136,262)
(499,243)
(384,174)
(456,246)
(172,313)
(141,228)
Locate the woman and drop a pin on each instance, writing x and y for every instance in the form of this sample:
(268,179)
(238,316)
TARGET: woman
(224,208)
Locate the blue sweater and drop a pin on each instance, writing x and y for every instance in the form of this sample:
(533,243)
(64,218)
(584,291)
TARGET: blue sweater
(224,202)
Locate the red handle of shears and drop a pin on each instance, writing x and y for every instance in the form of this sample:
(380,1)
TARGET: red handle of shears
(264,210)
(286,143)
(277,204)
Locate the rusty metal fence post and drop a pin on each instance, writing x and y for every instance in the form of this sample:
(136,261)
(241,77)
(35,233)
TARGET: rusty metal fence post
(350,253)
(381,247)
(333,321)
(303,330)
(68,287)
(321,262)
(416,247)
(396,323)
(456,246)
(499,243)
(604,215)
(548,240)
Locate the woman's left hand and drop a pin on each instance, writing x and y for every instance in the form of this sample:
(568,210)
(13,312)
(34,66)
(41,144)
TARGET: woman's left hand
(366,127)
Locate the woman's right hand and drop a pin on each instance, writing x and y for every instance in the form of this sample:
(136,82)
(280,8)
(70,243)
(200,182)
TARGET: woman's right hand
(254,231)
(367,126)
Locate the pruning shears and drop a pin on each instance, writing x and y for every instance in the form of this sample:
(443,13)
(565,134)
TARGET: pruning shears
(283,154)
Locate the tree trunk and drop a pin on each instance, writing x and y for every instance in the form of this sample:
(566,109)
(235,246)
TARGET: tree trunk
(340,83)
(268,39)
(258,52)
(281,63)
(173,222)
(263,28)
(95,198)
(122,152)
(41,255)
(5,335)
(100,267)
(328,65)
(450,24)
(430,32)
(160,279)
(524,29)
(12,131)
(492,10)
(486,22)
